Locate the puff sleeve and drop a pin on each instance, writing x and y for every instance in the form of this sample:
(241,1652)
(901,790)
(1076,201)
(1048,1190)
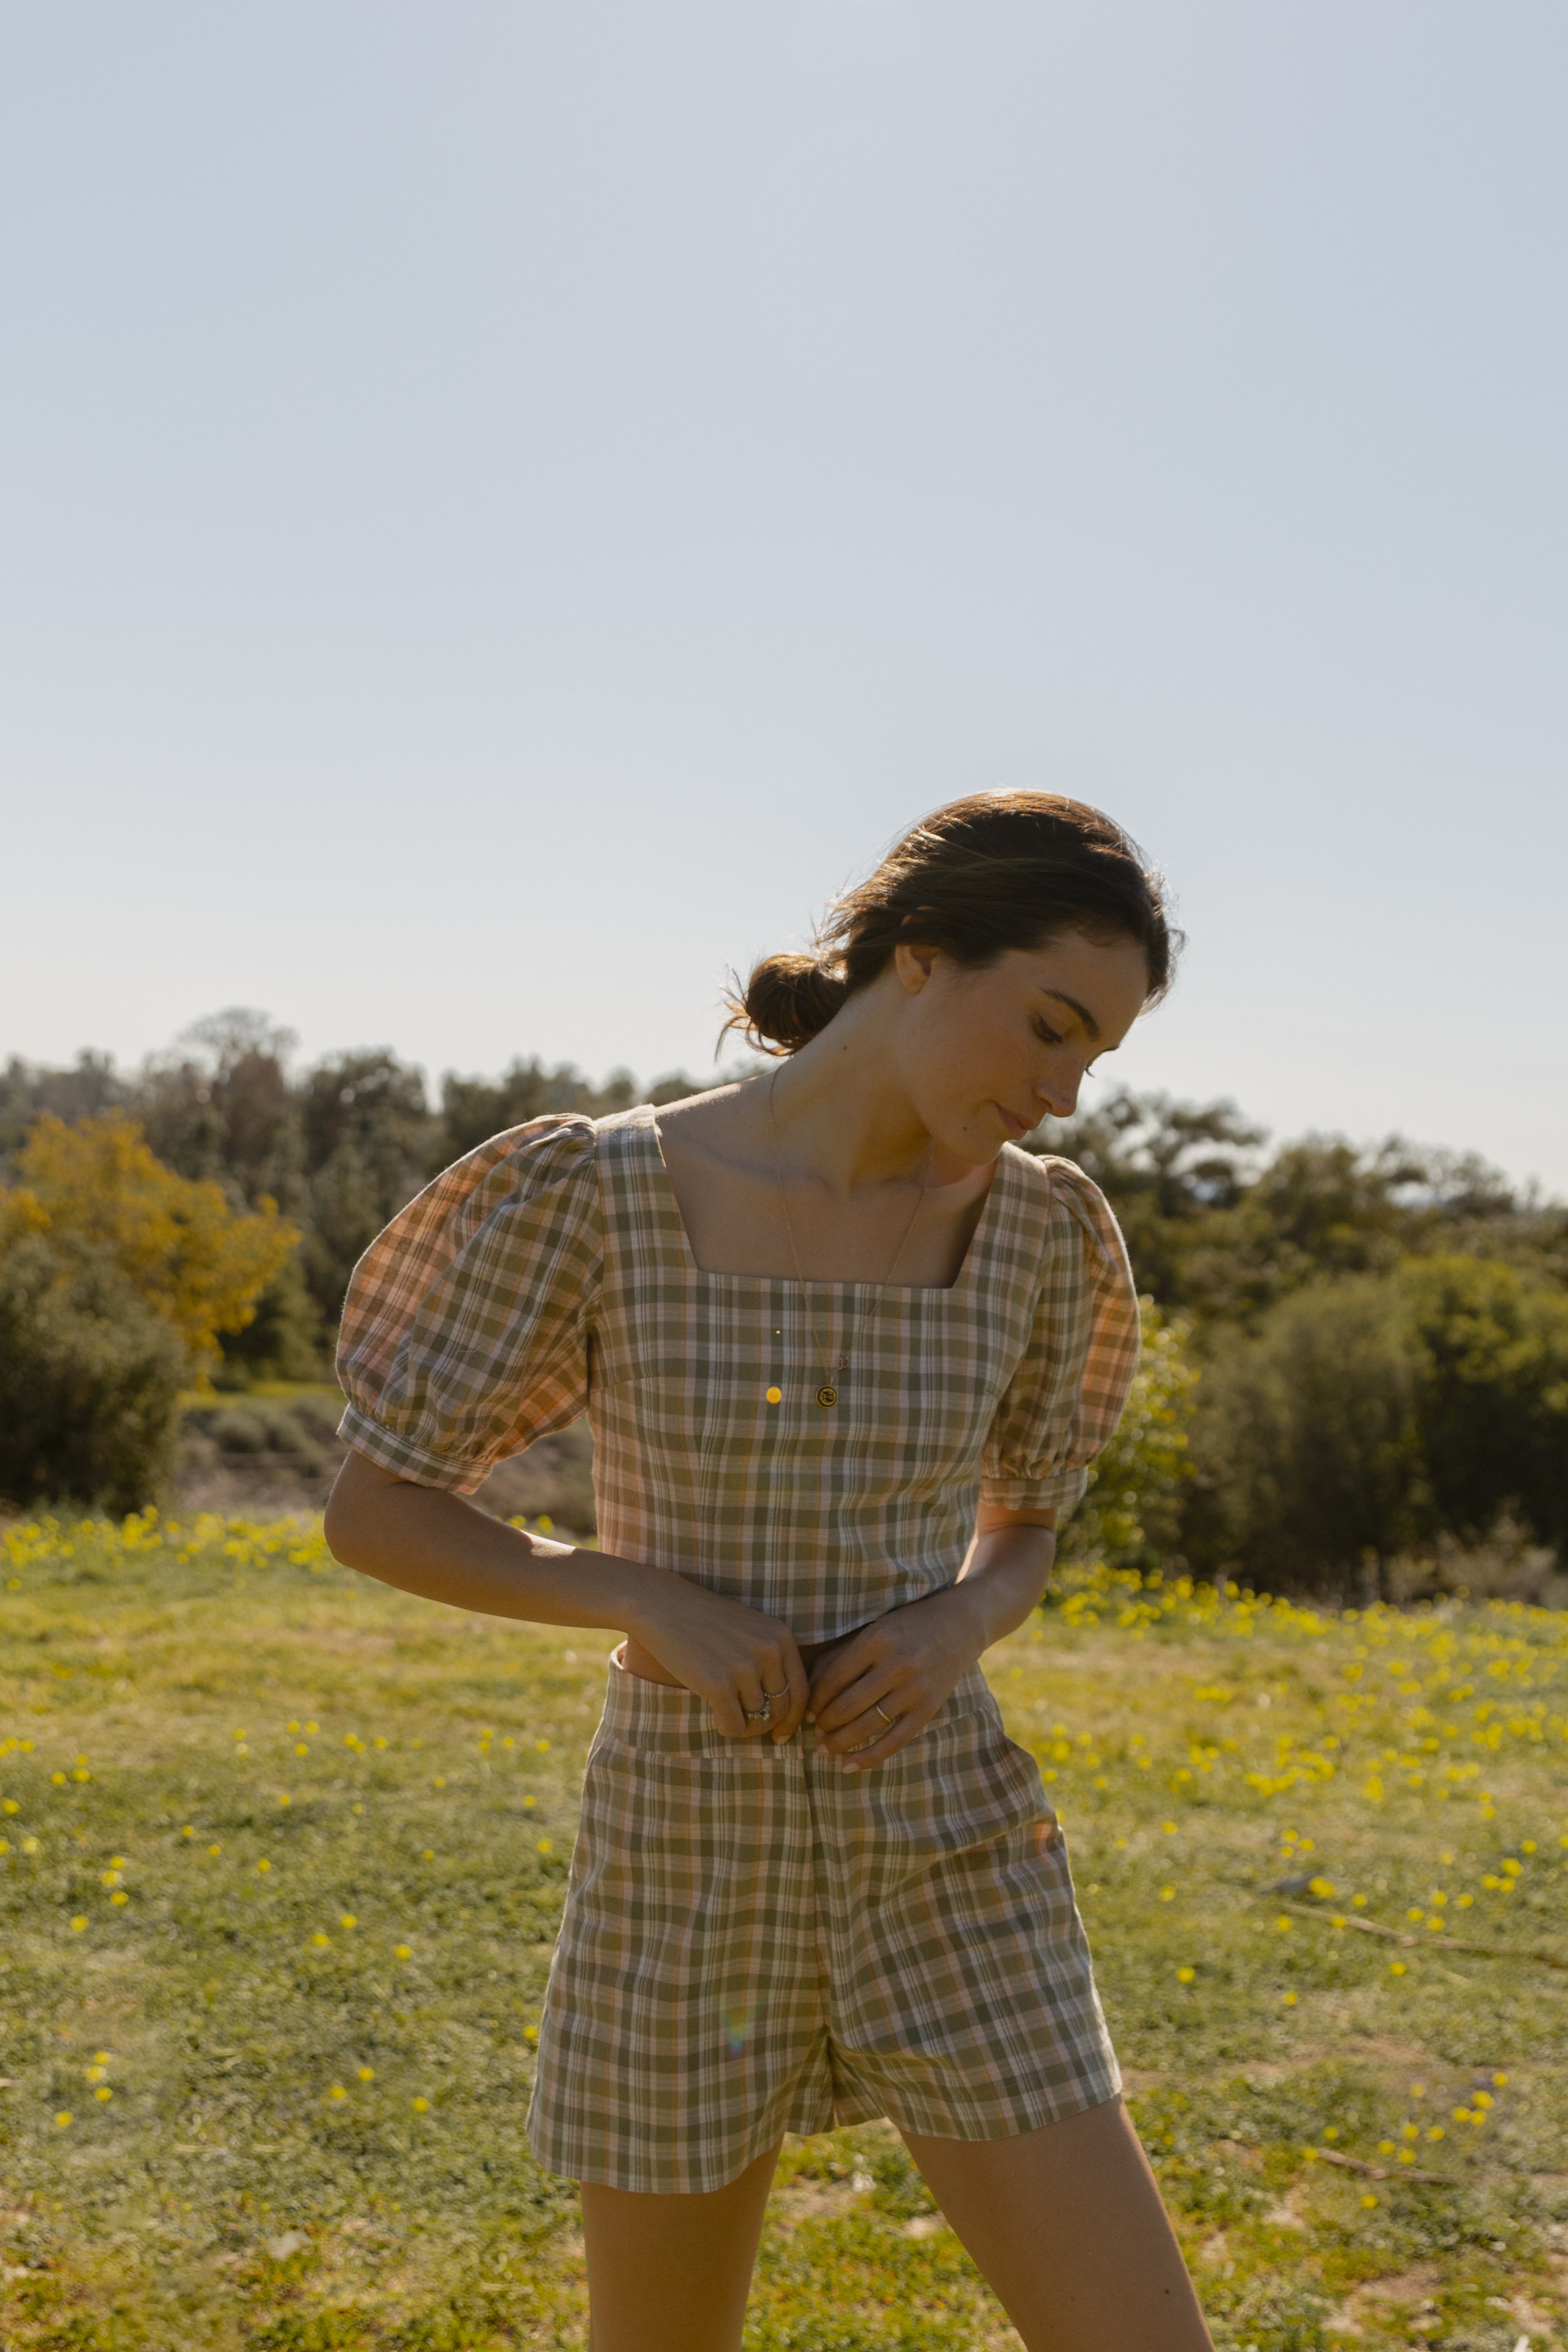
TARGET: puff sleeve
(466,1330)
(1066,1396)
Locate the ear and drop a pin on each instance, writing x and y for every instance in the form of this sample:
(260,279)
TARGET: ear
(913,965)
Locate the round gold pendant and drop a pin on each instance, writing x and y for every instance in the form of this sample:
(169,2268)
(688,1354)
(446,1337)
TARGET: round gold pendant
(826,1396)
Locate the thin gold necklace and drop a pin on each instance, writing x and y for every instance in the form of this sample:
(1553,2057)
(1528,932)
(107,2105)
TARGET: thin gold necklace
(827,1394)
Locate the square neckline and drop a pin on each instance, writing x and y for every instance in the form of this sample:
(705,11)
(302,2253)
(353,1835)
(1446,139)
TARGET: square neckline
(978,1240)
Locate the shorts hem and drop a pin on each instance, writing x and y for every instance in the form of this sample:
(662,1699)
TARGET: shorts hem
(978,2124)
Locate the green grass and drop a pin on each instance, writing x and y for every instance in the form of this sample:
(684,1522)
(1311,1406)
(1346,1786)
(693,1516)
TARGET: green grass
(314,2138)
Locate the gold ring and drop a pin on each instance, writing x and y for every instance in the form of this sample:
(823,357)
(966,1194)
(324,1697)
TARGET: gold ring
(881,1710)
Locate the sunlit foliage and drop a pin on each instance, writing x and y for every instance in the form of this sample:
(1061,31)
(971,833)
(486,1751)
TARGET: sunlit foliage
(196,1261)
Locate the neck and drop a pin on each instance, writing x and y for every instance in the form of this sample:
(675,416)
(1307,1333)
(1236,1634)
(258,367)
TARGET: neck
(844,1115)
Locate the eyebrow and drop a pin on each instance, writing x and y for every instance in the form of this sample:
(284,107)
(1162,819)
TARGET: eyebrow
(1090,1024)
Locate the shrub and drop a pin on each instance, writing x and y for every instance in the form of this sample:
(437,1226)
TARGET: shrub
(1132,1512)
(1306,1443)
(261,1428)
(1489,1348)
(283,1340)
(89,1381)
(1376,1416)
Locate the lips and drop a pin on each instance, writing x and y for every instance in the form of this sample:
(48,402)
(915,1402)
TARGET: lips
(1010,1118)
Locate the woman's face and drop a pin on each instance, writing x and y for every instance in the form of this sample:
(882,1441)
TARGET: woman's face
(986,1055)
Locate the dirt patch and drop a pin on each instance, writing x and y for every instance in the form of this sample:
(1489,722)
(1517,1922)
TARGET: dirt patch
(1387,2051)
(813,2200)
(1136,2081)
(1404,2286)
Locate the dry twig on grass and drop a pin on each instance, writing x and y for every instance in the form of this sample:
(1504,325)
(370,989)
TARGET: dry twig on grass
(1444,1943)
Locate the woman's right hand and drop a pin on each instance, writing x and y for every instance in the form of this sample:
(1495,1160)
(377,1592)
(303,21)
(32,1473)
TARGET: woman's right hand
(731,1656)
(427,1540)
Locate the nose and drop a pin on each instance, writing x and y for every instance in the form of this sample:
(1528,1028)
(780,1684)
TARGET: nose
(1058,1095)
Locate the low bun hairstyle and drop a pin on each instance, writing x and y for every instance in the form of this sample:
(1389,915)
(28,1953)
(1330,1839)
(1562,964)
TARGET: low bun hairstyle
(998,870)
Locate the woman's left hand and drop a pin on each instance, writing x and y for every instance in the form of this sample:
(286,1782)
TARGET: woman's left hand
(875,1690)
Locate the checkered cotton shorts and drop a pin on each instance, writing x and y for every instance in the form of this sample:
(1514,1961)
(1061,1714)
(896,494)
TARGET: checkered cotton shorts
(757,1942)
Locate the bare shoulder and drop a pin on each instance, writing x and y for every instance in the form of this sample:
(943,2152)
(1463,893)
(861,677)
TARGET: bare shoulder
(721,1127)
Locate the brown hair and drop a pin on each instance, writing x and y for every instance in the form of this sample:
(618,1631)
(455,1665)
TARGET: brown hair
(995,871)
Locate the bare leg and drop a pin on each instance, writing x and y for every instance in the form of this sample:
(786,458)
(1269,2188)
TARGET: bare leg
(671,2274)
(1067,2225)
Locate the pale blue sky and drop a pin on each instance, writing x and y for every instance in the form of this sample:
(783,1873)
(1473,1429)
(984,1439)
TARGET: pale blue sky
(505,507)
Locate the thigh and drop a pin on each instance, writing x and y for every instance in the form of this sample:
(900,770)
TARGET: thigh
(1067,2225)
(671,2274)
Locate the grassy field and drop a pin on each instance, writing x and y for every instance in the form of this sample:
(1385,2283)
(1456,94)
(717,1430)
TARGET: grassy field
(284,1852)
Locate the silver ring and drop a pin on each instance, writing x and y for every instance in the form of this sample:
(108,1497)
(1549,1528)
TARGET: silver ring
(758,1713)
(783,1694)
(881,1710)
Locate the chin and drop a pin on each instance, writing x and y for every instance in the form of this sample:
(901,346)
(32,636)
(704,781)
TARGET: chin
(981,1144)
(969,1140)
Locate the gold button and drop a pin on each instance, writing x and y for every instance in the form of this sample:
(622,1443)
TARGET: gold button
(775,1395)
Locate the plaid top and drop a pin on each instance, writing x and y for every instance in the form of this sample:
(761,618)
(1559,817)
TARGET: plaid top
(547,1275)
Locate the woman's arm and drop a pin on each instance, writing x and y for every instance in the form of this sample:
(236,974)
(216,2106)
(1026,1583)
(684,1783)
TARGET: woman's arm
(426,1540)
(1008,1567)
(906,1664)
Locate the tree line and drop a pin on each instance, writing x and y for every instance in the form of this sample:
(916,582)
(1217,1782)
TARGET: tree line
(1369,1384)
(336,1148)
(1354,1355)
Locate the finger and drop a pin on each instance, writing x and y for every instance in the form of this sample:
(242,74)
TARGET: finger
(772,1680)
(789,1715)
(749,1684)
(817,1673)
(871,1723)
(859,1732)
(876,1684)
(906,1729)
(727,1717)
(834,1673)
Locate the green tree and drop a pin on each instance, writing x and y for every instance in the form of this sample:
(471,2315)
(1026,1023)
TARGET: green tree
(1131,1514)
(91,1376)
(1219,1232)
(1306,1440)
(474,1110)
(26,1089)
(1488,1350)
(370,1144)
(222,1108)
(286,1339)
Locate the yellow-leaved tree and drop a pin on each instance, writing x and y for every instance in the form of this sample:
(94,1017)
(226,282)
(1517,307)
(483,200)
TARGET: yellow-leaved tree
(197,1261)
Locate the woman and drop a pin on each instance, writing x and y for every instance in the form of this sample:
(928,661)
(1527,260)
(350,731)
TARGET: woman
(847,1354)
